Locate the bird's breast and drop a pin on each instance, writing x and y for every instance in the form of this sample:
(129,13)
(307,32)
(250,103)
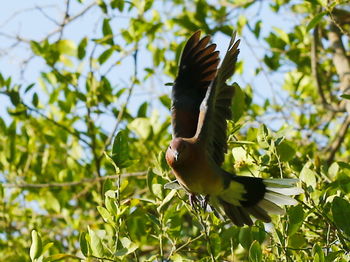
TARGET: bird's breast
(200,177)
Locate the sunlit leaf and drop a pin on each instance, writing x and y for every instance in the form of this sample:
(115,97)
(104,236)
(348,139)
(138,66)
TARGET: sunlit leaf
(36,246)
(96,244)
(315,20)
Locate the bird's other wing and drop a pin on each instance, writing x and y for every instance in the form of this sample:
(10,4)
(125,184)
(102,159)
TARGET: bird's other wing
(216,107)
(197,69)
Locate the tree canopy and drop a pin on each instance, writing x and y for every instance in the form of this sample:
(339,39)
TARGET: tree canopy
(82,145)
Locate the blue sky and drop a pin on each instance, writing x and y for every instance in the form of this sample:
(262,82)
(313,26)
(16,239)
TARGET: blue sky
(26,20)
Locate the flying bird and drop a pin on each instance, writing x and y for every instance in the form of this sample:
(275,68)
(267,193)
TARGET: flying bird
(201,105)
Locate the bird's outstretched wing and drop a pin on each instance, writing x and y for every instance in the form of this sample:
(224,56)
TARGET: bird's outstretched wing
(197,69)
(216,107)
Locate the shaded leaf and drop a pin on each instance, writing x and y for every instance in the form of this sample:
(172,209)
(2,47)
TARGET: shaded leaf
(341,214)
(255,253)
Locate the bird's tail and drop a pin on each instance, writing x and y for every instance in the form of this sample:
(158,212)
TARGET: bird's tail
(246,196)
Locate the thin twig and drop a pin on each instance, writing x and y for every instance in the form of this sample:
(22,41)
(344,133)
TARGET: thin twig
(76,134)
(189,241)
(121,112)
(41,10)
(71,18)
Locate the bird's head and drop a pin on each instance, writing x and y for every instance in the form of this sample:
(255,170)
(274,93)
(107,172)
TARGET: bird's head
(177,152)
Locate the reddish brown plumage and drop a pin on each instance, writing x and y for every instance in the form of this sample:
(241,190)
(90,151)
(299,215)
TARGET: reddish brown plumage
(201,104)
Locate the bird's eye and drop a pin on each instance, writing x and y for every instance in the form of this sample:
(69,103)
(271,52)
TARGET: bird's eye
(170,147)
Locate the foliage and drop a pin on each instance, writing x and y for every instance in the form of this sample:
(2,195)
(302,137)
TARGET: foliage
(75,188)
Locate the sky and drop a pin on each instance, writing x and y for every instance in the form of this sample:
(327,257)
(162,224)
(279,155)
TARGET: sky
(33,19)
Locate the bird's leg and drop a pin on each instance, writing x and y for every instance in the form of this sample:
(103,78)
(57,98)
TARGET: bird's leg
(205,202)
(193,200)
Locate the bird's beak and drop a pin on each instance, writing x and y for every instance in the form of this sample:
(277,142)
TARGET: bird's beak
(176,155)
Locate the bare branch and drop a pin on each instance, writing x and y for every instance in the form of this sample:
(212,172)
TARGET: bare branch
(68,19)
(41,10)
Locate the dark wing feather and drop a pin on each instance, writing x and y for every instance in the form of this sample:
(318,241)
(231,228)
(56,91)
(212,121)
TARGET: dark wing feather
(216,107)
(197,69)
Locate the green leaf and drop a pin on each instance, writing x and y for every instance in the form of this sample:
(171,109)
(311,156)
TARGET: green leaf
(36,246)
(263,137)
(286,151)
(257,29)
(308,176)
(35,100)
(142,111)
(318,252)
(47,247)
(58,257)
(245,237)
(242,143)
(105,55)
(107,217)
(107,31)
(83,244)
(345,96)
(296,218)
(341,214)
(108,185)
(157,189)
(255,253)
(66,47)
(141,126)
(120,150)
(29,87)
(173,185)
(96,244)
(111,205)
(128,244)
(165,100)
(166,201)
(36,48)
(282,34)
(51,202)
(297,240)
(103,6)
(315,20)
(118,4)
(333,170)
(14,97)
(82,48)
(150,176)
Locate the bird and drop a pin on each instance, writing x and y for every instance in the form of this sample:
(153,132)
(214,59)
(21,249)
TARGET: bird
(200,108)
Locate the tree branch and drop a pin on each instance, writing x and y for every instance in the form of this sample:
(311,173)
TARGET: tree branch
(340,60)
(315,72)
(333,148)
(72,183)
(342,66)
(77,135)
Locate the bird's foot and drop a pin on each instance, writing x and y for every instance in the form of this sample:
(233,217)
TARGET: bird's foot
(194,202)
(205,202)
